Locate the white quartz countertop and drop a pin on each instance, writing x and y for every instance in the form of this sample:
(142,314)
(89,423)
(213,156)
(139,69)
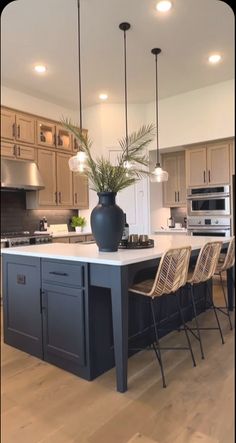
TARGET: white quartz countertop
(64,234)
(170,231)
(89,252)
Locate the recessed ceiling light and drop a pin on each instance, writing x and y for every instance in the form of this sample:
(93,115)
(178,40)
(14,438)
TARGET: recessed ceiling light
(103,96)
(164,6)
(40,69)
(214,58)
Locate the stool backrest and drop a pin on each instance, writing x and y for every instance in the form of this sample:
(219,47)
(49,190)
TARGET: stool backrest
(206,262)
(230,256)
(172,271)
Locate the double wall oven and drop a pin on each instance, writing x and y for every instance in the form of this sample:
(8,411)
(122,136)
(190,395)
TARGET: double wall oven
(208,211)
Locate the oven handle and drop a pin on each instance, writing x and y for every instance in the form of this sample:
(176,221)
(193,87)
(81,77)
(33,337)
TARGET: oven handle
(208,196)
(222,229)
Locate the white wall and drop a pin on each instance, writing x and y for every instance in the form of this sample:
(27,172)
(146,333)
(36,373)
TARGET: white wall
(28,103)
(199,115)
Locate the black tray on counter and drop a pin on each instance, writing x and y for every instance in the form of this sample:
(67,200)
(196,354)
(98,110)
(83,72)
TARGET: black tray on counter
(125,244)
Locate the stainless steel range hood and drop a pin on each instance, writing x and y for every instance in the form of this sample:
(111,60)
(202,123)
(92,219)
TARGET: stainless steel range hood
(20,175)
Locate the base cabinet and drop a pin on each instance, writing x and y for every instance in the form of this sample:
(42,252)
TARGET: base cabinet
(22,304)
(63,326)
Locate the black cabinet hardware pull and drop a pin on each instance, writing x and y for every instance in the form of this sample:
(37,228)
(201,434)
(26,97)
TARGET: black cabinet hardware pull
(62,274)
(204,176)
(54,140)
(18,131)
(209,176)
(14,130)
(175,196)
(19,151)
(178,195)
(14,150)
(59,197)
(76,197)
(55,197)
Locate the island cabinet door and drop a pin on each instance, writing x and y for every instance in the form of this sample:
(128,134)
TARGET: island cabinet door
(22,304)
(63,326)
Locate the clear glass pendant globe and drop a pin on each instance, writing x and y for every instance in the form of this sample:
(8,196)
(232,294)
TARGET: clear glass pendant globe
(77,162)
(159,175)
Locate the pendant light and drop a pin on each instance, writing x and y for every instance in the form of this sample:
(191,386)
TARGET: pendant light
(158,175)
(77,162)
(125,27)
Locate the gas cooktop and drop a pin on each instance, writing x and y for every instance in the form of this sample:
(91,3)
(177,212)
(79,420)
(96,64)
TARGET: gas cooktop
(23,238)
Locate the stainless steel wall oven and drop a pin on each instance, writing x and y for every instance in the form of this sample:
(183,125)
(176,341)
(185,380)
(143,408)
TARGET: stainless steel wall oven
(211,201)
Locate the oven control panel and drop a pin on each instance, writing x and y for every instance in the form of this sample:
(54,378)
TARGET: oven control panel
(208,221)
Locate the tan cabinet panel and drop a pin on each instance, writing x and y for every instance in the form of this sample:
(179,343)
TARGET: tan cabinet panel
(8,149)
(218,163)
(46,133)
(79,239)
(64,181)
(80,191)
(25,152)
(63,138)
(7,124)
(196,167)
(182,194)
(47,168)
(174,190)
(61,240)
(25,128)
(170,187)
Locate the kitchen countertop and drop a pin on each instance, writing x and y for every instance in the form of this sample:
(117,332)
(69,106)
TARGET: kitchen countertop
(89,252)
(171,230)
(64,234)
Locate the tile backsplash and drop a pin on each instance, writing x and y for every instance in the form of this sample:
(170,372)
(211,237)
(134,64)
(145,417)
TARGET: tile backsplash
(15,216)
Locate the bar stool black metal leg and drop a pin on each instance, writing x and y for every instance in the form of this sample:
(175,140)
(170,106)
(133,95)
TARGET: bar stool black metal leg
(226,304)
(184,325)
(196,320)
(157,347)
(216,315)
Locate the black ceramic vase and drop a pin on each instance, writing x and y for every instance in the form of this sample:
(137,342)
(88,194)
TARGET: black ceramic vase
(107,222)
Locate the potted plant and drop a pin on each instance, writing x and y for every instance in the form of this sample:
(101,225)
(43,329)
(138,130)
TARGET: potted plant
(78,223)
(107,219)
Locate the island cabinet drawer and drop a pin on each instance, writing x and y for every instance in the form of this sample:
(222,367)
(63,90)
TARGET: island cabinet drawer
(66,273)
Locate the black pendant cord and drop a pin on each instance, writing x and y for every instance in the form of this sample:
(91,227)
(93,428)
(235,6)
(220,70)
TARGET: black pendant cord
(124,27)
(157,51)
(79,58)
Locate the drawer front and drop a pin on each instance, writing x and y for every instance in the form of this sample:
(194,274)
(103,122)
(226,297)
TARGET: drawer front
(66,273)
(61,240)
(89,237)
(78,239)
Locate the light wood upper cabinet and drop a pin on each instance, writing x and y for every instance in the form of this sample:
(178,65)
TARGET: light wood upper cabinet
(64,180)
(80,191)
(208,164)
(196,166)
(25,128)
(47,168)
(17,152)
(17,126)
(75,142)
(218,163)
(64,138)
(174,190)
(7,124)
(46,133)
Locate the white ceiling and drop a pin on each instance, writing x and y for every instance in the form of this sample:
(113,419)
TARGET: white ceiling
(46,31)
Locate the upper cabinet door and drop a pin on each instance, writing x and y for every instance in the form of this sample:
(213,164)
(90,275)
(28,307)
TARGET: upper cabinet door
(47,168)
(46,133)
(80,191)
(75,141)
(64,181)
(181,196)
(196,167)
(170,188)
(25,128)
(63,138)
(8,126)
(218,164)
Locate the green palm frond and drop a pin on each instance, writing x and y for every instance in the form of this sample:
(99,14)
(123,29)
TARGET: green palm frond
(102,175)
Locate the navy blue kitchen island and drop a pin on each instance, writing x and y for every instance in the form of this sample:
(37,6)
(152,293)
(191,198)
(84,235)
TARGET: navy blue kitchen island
(68,304)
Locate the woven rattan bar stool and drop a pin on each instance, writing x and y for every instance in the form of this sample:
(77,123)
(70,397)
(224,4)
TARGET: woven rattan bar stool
(204,270)
(171,276)
(222,266)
